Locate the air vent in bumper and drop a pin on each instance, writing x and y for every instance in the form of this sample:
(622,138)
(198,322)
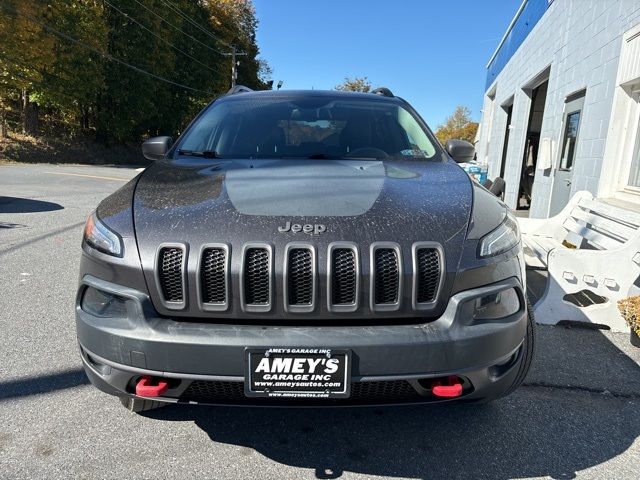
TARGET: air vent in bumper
(362,393)
(256,278)
(170,270)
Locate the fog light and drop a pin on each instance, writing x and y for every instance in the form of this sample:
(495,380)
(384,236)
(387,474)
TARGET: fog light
(103,304)
(497,305)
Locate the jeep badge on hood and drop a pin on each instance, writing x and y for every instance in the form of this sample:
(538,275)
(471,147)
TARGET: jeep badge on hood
(315,229)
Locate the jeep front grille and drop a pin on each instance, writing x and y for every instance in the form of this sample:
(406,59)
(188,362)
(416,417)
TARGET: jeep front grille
(427,274)
(398,278)
(299,276)
(214,280)
(257,278)
(171,274)
(344,277)
(387,276)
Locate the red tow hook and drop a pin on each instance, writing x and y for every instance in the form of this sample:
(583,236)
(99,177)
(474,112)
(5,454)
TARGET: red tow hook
(451,390)
(151,387)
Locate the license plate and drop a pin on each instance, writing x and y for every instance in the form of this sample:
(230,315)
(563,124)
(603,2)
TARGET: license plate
(297,373)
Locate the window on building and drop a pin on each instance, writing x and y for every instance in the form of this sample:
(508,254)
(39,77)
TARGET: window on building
(634,174)
(569,140)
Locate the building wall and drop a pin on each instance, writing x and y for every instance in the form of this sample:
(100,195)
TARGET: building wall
(580,41)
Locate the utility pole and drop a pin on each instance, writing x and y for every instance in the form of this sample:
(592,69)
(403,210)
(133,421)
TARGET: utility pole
(234,63)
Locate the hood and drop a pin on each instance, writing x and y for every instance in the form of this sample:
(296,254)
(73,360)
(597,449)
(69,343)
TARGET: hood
(235,202)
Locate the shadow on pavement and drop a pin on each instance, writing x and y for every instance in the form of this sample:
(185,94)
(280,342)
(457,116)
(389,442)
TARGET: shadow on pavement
(579,409)
(43,384)
(529,434)
(11,225)
(26,205)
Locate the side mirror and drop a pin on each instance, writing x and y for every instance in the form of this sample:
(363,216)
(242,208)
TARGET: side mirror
(156,148)
(460,150)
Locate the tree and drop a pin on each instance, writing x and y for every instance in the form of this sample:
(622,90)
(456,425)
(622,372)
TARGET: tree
(122,69)
(236,24)
(25,51)
(458,126)
(355,84)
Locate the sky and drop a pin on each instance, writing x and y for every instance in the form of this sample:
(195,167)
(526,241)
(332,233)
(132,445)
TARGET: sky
(433,53)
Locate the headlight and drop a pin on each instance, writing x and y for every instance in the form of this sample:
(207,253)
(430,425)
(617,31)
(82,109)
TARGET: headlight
(503,238)
(98,236)
(497,305)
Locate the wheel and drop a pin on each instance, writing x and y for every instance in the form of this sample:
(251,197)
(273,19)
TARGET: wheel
(138,405)
(528,347)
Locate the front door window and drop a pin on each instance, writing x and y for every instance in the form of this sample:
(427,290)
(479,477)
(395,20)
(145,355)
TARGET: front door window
(569,140)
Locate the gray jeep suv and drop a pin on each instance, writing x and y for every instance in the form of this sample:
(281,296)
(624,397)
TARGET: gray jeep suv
(303,248)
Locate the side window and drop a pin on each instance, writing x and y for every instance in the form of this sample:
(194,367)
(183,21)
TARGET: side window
(414,133)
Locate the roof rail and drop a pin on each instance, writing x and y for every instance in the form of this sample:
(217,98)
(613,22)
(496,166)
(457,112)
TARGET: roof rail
(238,89)
(383,91)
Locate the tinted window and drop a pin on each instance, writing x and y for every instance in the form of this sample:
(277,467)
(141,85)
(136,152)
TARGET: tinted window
(313,126)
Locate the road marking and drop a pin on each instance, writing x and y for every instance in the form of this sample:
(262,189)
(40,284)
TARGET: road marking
(89,176)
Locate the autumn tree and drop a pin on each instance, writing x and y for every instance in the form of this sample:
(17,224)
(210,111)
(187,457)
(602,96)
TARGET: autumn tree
(355,84)
(121,69)
(458,126)
(26,51)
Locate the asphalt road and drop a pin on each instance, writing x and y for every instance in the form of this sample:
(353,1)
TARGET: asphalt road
(577,416)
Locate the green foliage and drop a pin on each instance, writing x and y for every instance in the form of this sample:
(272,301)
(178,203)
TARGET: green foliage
(356,84)
(458,126)
(122,69)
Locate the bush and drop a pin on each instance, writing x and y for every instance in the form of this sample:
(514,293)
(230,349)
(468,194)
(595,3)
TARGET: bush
(630,310)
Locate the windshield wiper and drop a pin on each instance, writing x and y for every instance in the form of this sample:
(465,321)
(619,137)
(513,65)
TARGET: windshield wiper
(204,153)
(320,156)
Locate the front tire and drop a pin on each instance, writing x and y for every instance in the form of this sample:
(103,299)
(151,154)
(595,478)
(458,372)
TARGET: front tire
(526,353)
(528,348)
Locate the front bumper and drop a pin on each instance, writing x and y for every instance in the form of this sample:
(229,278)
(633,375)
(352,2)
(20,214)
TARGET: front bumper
(205,361)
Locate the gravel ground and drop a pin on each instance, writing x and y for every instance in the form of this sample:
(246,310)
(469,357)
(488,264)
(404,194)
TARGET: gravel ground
(577,416)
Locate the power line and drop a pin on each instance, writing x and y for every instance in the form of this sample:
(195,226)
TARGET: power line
(176,28)
(159,37)
(192,21)
(105,55)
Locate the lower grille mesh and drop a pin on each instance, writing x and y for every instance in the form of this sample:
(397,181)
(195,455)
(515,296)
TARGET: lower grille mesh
(170,272)
(393,391)
(213,275)
(428,274)
(256,276)
(343,281)
(387,276)
(300,281)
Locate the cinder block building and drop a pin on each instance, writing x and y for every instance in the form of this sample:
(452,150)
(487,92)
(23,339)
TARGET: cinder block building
(561,110)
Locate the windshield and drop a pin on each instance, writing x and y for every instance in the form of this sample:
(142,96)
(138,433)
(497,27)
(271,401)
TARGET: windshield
(307,127)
